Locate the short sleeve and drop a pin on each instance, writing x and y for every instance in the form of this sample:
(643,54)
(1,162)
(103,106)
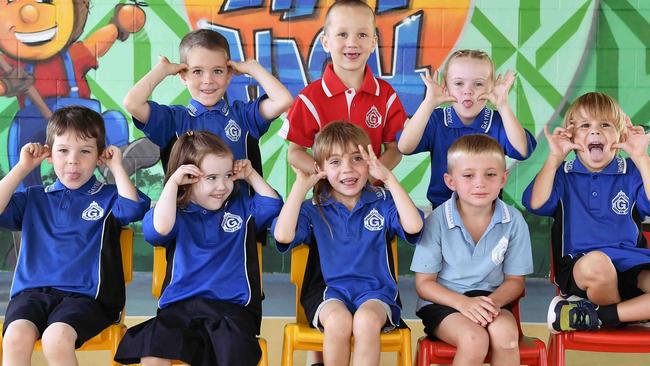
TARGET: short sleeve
(427,257)
(249,114)
(518,260)
(395,117)
(161,127)
(265,209)
(508,148)
(150,233)
(549,207)
(394,224)
(12,217)
(302,123)
(642,201)
(303,230)
(127,211)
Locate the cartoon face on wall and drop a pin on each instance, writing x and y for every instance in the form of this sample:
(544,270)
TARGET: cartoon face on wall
(37,30)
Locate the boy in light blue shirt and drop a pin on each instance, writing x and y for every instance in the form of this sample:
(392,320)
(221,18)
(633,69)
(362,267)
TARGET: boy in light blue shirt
(472,257)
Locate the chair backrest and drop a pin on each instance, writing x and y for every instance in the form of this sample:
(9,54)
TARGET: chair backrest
(126,246)
(160,269)
(299,257)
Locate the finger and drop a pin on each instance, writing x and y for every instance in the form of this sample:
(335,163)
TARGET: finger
(546,132)
(576,147)
(425,80)
(363,153)
(479,318)
(436,77)
(163,59)
(371,153)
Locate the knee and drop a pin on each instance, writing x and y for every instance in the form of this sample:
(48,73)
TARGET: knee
(596,268)
(58,341)
(504,337)
(19,337)
(154,361)
(474,344)
(367,324)
(338,324)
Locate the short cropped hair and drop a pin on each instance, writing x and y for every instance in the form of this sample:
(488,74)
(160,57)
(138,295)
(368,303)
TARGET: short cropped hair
(190,148)
(471,54)
(83,122)
(597,105)
(474,145)
(349,3)
(204,38)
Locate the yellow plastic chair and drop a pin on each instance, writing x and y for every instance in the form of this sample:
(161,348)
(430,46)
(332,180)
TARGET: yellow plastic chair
(300,336)
(158,277)
(110,337)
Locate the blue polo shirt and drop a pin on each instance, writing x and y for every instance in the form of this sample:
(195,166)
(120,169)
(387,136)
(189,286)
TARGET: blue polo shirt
(447,248)
(353,245)
(597,210)
(70,238)
(210,258)
(444,127)
(231,123)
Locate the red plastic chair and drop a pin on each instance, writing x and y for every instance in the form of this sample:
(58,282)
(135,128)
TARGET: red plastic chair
(532,351)
(631,339)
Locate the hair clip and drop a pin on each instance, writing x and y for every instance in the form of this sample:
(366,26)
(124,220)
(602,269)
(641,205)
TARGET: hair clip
(190,133)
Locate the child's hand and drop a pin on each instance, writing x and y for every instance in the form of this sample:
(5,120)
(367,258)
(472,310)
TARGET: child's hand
(241,169)
(246,67)
(186,174)
(436,93)
(168,67)
(481,310)
(559,143)
(112,157)
(308,180)
(32,155)
(499,93)
(635,141)
(376,169)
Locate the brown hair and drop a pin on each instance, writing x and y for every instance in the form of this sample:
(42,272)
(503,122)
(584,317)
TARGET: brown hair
(83,122)
(190,148)
(597,105)
(205,38)
(352,4)
(474,145)
(472,54)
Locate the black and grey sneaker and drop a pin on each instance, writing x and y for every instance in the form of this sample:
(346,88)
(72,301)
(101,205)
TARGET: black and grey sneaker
(571,314)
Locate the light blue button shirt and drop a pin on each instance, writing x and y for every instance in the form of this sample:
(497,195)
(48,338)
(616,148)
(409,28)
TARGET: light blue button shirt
(447,248)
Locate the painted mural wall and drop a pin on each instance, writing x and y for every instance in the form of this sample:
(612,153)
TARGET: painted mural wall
(558,48)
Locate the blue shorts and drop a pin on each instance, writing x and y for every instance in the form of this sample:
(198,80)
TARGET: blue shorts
(45,306)
(353,303)
(197,331)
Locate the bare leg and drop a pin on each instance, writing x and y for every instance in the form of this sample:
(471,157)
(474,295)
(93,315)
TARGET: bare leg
(595,273)
(58,345)
(18,343)
(337,324)
(155,361)
(471,340)
(504,339)
(637,308)
(367,323)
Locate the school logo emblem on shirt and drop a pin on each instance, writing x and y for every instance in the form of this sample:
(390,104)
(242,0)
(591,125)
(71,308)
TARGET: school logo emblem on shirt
(499,251)
(231,223)
(233,131)
(93,212)
(621,203)
(373,221)
(373,118)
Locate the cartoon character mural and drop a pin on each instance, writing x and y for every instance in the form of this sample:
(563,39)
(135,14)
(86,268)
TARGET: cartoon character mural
(44,65)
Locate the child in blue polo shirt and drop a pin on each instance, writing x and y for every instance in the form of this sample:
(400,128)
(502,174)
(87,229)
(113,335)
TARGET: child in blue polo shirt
(467,83)
(206,69)
(472,258)
(351,223)
(211,311)
(598,200)
(68,284)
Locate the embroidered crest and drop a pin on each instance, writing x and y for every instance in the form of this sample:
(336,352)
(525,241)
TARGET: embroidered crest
(93,212)
(233,131)
(373,118)
(499,251)
(621,203)
(373,221)
(230,222)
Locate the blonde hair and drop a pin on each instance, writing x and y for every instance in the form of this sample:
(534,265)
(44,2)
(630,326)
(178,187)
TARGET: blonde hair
(598,106)
(474,145)
(352,4)
(471,54)
(191,148)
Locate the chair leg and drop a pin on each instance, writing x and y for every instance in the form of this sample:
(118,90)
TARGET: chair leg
(287,348)
(421,355)
(556,349)
(404,357)
(264,359)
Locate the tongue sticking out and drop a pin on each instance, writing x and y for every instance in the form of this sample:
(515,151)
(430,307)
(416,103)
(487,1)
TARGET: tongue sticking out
(468,103)
(596,153)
